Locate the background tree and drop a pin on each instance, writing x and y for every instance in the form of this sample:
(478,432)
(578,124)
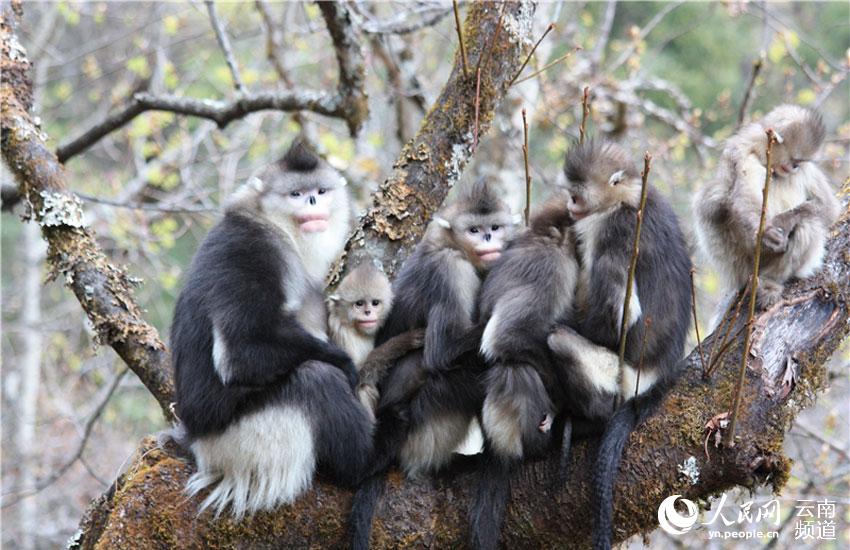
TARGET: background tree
(671,78)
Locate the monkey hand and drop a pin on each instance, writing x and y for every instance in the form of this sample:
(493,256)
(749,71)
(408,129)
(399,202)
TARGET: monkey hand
(775,239)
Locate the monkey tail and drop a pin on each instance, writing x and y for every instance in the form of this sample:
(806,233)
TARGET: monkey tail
(566,447)
(617,431)
(490,501)
(363,510)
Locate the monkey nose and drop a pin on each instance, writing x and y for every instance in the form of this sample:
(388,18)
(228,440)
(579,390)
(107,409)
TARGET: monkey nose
(368,312)
(312,199)
(487,237)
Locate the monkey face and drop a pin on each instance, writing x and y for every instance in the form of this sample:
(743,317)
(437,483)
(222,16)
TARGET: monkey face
(308,206)
(483,238)
(599,177)
(366,314)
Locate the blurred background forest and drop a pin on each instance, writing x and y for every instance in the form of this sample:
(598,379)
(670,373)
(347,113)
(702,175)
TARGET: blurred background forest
(669,78)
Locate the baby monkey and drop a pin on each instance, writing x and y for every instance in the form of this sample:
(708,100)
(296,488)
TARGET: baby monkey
(801,204)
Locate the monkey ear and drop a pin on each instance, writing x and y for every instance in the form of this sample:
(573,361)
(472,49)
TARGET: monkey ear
(334,297)
(516,219)
(442,222)
(255,183)
(342,181)
(616,177)
(778,136)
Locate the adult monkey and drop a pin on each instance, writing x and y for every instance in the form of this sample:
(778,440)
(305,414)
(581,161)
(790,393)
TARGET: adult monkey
(604,189)
(263,398)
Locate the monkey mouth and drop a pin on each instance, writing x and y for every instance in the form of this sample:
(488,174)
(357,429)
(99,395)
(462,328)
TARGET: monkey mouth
(490,255)
(368,323)
(577,214)
(313,223)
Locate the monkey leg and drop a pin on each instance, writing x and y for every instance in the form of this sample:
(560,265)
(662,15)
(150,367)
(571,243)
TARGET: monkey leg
(440,415)
(343,427)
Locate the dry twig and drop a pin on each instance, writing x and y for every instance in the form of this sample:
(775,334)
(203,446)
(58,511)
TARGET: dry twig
(647,162)
(729,439)
(527,174)
(531,53)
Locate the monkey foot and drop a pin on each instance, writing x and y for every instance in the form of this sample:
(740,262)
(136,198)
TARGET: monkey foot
(769,293)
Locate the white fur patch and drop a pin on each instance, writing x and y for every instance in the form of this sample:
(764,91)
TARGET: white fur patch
(473,443)
(219,356)
(263,460)
(634,308)
(430,447)
(501,424)
(488,339)
(648,378)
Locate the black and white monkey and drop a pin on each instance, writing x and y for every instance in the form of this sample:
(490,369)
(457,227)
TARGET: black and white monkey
(427,402)
(263,397)
(528,290)
(604,189)
(801,204)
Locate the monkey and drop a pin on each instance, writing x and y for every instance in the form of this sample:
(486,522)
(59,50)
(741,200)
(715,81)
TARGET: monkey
(530,288)
(801,204)
(427,399)
(263,397)
(604,191)
(357,310)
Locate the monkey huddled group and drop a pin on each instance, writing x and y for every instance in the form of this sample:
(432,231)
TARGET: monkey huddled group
(487,328)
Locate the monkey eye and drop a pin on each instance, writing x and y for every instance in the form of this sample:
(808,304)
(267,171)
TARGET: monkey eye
(796,163)
(376,302)
(295,194)
(495,227)
(473,230)
(360,303)
(616,177)
(322,190)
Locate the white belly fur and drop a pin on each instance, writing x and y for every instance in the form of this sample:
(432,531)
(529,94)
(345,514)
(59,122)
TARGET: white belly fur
(263,460)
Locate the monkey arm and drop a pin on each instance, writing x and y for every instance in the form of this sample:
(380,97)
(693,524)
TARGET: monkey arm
(445,325)
(259,358)
(382,357)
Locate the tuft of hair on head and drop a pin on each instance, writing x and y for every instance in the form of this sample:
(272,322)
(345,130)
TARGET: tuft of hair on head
(481,198)
(583,157)
(802,127)
(300,157)
(365,279)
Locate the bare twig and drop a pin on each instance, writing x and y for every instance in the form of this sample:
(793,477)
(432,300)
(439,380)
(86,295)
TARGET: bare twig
(153,207)
(748,94)
(224,44)
(729,436)
(624,323)
(647,324)
(44,483)
(404,23)
(604,33)
(531,53)
(221,112)
(459,29)
(548,65)
(525,161)
(585,111)
(696,320)
(477,107)
(724,341)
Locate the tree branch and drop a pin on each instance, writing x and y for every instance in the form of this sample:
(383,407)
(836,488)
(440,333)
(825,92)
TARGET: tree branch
(348,103)
(432,162)
(224,44)
(104,290)
(810,322)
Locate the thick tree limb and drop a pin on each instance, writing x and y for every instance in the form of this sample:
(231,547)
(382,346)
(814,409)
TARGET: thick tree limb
(104,290)
(147,507)
(431,163)
(348,102)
